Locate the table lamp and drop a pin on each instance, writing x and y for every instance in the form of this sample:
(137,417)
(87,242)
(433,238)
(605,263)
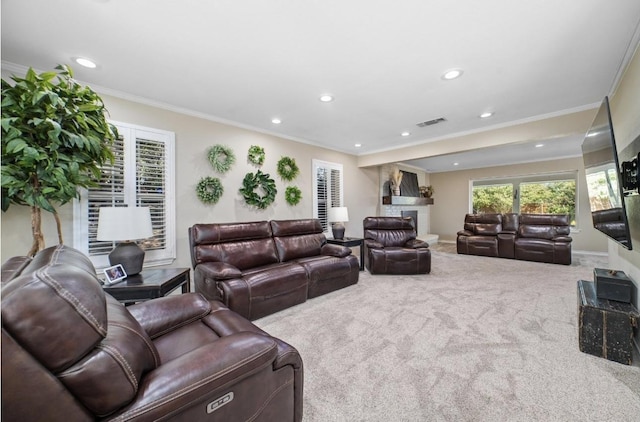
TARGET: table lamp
(338,216)
(124,225)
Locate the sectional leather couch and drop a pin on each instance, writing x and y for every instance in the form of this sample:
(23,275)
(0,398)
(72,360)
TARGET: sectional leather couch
(530,237)
(258,268)
(71,352)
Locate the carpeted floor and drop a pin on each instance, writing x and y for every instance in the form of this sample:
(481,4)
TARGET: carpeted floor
(478,339)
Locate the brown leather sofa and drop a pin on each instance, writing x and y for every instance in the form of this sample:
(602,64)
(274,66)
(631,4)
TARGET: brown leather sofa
(258,268)
(391,247)
(70,352)
(529,237)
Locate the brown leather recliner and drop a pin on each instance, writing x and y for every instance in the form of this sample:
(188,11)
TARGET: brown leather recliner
(544,238)
(258,268)
(530,237)
(70,352)
(391,247)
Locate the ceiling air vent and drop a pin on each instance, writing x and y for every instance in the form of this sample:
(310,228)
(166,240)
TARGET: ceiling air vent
(431,122)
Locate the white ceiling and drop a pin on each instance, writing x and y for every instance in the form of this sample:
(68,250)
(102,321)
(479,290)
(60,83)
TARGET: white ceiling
(246,62)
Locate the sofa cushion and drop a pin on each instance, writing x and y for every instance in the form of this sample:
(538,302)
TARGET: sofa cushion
(297,238)
(57,313)
(243,245)
(110,375)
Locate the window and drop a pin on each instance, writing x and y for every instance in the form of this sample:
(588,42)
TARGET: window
(540,194)
(327,190)
(142,175)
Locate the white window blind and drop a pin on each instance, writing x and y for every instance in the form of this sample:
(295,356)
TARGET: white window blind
(142,175)
(327,190)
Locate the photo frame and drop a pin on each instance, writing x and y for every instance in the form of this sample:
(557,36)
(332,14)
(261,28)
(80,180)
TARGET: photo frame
(114,274)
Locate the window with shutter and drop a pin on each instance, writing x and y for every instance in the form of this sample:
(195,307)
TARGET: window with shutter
(327,190)
(142,175)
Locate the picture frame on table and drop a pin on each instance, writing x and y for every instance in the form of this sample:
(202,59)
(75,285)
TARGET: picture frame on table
(114,274)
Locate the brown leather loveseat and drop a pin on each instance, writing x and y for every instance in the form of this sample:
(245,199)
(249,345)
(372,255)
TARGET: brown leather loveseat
(70,352)
(258,268)
(391,247)
(529,237)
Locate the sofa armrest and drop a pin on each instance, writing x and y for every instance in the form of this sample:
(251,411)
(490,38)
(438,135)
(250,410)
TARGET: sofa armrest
(200,376)
(372,244)
(416,244)
(513,232)
(566,239)
(465,233)
(162,315)
(335,250)
(217,271)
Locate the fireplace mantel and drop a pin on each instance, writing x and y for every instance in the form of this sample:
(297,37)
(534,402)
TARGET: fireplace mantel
(406,200)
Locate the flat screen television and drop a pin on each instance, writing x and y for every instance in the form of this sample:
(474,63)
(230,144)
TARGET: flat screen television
(607,183)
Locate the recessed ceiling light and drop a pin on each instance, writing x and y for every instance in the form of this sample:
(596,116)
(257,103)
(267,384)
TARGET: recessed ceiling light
(539,145)
(405,134)
(326,98)
(357,145)
(452,74)
(486,114)
(276,121)
(455,164)
(85,62)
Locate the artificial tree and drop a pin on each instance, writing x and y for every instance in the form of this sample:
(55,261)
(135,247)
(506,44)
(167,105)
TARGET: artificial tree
(55,138)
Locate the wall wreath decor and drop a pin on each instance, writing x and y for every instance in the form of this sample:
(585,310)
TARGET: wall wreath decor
(262,181)
(256,155)
(292,195)
(209,190)
(221,158)
(288,169)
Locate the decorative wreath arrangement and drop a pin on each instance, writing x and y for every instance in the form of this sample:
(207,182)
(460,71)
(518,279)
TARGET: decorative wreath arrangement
(256,155)
(288,169)
(292,195)
(260,180)
(221,158)
(209,190)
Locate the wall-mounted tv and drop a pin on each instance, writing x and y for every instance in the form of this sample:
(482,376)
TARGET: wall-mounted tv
(607,183)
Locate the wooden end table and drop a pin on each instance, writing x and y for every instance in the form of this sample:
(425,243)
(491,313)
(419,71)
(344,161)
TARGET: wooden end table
(350,242)
(150,284)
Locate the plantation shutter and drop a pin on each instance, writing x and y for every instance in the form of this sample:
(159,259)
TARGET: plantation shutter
(328,191)
(142,175)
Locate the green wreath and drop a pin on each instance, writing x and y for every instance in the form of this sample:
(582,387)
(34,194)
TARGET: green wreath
(256,155)
(221,158)
(209,190)
(261,180)
(287,168)
(292,195)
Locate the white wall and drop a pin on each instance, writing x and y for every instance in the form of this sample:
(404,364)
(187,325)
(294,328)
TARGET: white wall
(193,138)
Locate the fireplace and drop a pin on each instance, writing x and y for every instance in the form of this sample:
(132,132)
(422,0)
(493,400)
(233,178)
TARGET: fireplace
(412,214)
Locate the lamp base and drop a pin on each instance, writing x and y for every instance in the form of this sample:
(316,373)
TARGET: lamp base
(130,255)
(338,231)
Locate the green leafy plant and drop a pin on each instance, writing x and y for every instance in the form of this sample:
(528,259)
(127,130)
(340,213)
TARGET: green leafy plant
(209,190)
(288,169)
(256,155)
(292,195)
(258,181)
(55,137)
(221,158)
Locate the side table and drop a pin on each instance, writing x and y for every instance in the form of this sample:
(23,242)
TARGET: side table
(150,284)
(350,242)
(605,327)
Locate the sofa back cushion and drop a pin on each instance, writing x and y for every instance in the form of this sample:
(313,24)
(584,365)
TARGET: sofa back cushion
(58,314)
(389,231)
(544,226)
(488,224)
(296,239)
(243,245)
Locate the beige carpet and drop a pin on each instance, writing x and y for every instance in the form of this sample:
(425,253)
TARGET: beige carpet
(478,339)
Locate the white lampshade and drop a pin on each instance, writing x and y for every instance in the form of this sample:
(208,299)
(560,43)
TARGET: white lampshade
(338,214)
(124,223)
